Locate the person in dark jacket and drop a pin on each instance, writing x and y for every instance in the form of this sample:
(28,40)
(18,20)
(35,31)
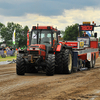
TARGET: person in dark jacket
(85,35)
(63,43)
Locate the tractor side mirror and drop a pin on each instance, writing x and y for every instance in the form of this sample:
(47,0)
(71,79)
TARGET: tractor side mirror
(95,35)
(58,32)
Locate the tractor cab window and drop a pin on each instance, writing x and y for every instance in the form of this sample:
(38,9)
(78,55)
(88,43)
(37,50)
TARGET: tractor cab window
(44,37)
(34,37)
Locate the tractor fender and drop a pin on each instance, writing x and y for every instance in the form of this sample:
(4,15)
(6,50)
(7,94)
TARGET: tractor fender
(60,47)
(68,47)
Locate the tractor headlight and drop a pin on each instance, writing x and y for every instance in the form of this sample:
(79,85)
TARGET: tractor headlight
(37,48)
(30,48)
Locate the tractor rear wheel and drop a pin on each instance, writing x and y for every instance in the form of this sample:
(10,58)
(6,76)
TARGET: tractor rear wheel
(59,63)
(20,65)
(67,61)
(50,68)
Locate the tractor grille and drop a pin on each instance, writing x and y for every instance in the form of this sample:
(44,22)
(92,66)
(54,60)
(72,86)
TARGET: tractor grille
(34,52)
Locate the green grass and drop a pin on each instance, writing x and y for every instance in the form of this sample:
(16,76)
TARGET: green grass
(10,58)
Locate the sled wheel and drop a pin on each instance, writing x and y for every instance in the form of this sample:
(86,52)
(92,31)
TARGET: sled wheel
(94,60)
(89,64)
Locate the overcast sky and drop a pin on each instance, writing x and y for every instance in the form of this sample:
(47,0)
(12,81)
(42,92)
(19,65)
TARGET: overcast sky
(57,13)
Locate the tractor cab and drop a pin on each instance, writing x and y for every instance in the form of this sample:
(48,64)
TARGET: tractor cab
(44,35)
(43,39)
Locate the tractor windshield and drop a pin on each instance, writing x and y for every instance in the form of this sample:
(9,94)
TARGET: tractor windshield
(44,37)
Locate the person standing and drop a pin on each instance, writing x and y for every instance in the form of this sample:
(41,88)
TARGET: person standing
(16,51)
(63,43)
(19,49)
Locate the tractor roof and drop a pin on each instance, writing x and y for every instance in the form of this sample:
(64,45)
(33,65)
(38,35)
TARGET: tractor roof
(44,27)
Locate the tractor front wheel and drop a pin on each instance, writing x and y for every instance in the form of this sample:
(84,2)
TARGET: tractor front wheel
(20,65)
(50,68)
(59,63)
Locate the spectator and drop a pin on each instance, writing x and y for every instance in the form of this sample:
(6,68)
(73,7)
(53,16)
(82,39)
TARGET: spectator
(7,49)
(85,35)
(5,52)
(16,51)
(19,49)
(63,43)
(3,48)
(0,48)
(11,48)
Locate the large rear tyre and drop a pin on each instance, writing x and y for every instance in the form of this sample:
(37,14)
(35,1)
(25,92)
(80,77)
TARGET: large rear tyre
(59,63)
(67,61)
(50,68)
(20,65)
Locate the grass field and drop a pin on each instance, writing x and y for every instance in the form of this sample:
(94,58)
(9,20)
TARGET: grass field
(10,58)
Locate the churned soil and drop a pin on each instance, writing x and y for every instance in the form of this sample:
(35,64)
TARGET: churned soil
(83,85)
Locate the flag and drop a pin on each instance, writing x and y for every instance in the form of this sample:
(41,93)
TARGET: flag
(88,33)
(14,36)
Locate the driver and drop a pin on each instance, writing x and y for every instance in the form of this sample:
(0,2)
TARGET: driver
(45,39)
(85,35)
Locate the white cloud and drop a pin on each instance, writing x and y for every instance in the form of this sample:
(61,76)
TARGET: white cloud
(67,18)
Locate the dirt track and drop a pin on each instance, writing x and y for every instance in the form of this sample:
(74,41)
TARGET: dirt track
(83,85)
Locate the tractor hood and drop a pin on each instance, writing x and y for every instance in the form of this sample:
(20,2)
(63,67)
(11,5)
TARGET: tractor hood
(36,47)
(37,50)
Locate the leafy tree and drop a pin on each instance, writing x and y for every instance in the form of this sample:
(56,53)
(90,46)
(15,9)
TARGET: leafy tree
(1,26)
(71,33)
(22,41)
(99,39)
(21,34)
(62,32)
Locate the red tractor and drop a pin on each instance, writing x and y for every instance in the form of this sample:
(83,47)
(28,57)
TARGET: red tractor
(44,53)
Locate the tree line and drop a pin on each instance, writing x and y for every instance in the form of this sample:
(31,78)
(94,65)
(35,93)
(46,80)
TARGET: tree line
(71,33)
(6,33)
